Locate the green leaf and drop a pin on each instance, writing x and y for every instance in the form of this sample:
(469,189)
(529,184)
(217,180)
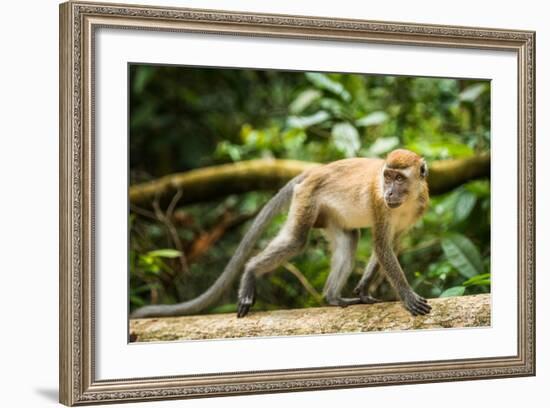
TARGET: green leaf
(324,82)
(303,122)
(464,205)
(383,145)
(153,269)
(229,149)
(333,106)
(481,188)
(303,100)
(136,300)
(294,139)
(462,254)
(372,119)
(143,74)
(440,150)
(346,138)
(440,269)
(165,253)
(479,280)
(473,92)
(454,291)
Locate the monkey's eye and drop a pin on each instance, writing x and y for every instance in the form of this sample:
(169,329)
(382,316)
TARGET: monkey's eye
(399,178)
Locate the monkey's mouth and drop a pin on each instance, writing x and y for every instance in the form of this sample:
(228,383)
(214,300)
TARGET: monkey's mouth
(393,204)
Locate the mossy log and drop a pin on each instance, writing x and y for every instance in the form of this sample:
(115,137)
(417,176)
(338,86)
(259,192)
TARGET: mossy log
(463,311)
(208,183)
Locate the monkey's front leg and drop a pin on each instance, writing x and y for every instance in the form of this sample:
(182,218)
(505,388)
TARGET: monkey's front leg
(414,303)
(372,268)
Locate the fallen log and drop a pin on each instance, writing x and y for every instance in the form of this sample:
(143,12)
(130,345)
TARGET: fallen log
(463,311)
(208,183)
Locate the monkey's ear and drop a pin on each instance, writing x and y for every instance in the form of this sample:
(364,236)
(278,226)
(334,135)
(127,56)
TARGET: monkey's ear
(423,169)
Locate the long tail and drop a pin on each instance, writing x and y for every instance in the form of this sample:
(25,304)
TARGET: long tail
(235,265)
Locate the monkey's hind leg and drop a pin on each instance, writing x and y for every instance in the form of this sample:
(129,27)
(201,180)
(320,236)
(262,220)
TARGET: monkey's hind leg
(362,287)
(343,245)
(284,246)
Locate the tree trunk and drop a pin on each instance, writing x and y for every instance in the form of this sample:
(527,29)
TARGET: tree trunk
(463,311)
(208,183)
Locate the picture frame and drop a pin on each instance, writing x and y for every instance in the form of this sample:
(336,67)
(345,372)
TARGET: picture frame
(79,23)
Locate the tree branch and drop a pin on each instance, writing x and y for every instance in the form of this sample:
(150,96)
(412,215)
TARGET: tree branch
(213,182)
(463,311)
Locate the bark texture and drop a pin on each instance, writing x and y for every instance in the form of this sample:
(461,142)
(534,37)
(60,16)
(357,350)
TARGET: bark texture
(463,311)
(270,174)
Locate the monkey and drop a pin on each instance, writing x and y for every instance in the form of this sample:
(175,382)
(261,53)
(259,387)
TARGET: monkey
(341,198)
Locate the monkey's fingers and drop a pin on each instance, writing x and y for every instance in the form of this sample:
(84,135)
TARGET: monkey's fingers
(423,308)
(417,305)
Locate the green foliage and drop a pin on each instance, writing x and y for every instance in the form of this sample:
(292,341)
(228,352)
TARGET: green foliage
(462,254)
(146,268)
(164,253)
(184,118)
(454,291)
(324,82)
(346,139)
(454,237)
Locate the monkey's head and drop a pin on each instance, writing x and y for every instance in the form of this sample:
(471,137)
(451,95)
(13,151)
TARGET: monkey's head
(404,175)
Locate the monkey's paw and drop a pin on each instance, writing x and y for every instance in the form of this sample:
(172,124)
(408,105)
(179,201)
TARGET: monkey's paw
(245,303)
(416,305)
(365,298)
(368,299)
(343,302)
(247,294)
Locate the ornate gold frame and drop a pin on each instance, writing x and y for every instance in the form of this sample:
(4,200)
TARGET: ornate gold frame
(78,22)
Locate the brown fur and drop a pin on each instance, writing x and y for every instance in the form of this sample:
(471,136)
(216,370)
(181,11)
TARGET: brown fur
(401,158)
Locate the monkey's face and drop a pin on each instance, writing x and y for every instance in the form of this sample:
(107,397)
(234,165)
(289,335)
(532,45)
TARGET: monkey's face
(396,186)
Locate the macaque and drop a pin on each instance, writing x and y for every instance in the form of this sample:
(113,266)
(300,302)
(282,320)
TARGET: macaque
(341,197)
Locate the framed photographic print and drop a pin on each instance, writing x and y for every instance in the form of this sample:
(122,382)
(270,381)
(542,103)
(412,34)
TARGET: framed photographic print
(262,203)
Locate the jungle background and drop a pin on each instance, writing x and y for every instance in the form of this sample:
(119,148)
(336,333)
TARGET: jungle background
(186,119)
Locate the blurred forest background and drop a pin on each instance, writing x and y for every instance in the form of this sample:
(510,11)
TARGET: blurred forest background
(184,118)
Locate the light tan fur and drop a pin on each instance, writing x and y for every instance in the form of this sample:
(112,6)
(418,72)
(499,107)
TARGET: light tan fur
(346,192)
